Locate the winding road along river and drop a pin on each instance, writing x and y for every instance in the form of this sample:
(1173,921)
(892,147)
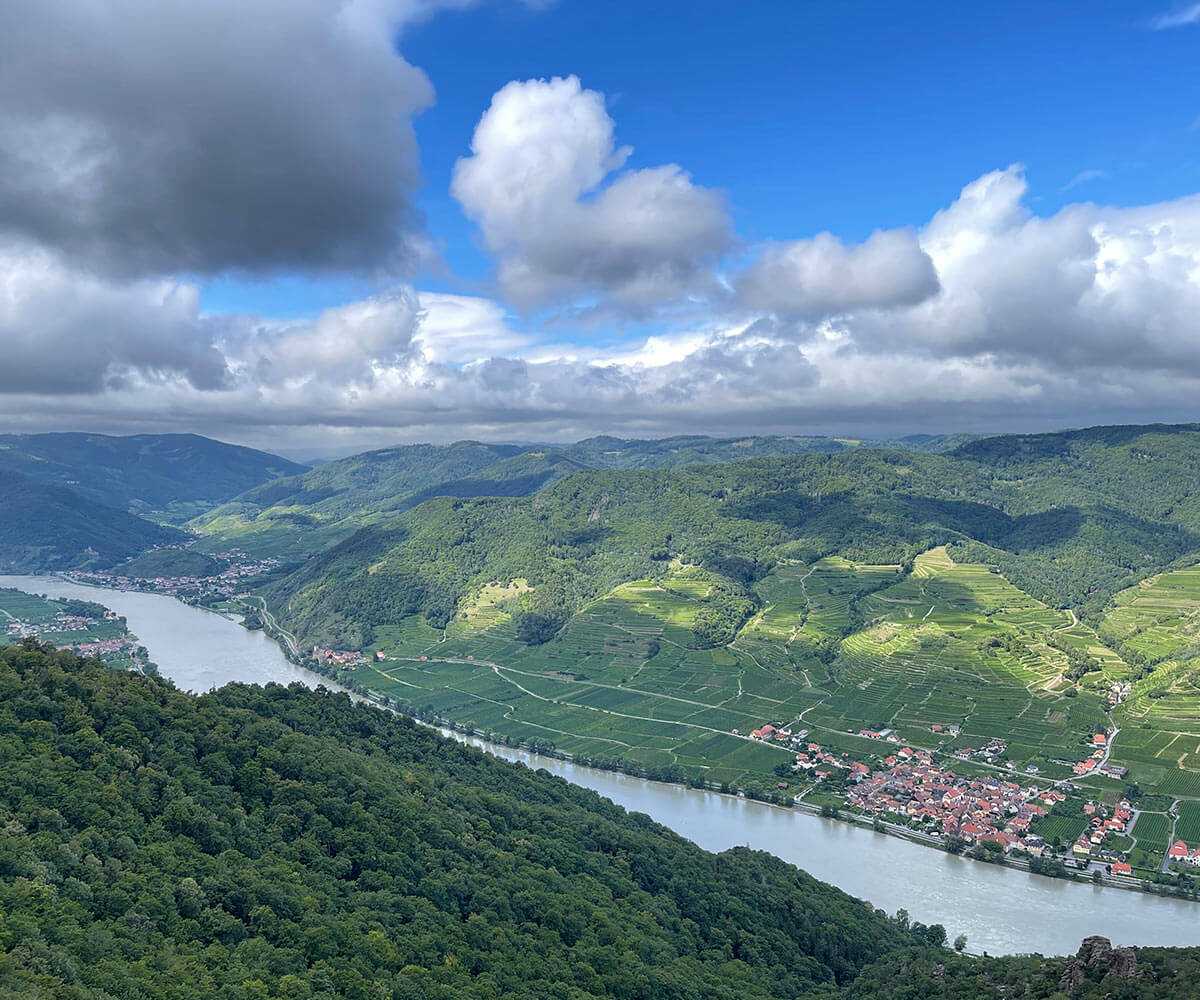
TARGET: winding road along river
(1001,910)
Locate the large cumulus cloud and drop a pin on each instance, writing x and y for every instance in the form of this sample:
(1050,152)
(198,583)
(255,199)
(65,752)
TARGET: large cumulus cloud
(545,183)
(1087,288)
(143,136)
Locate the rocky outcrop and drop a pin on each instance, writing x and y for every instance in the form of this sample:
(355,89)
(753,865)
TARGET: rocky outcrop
(1096,960)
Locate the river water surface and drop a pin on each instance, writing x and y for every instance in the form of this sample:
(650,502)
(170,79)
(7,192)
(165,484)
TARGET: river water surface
(1001,910)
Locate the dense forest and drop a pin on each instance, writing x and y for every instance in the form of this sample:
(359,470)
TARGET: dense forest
(300,515)
(279,842)
(282,842)
(1070,518)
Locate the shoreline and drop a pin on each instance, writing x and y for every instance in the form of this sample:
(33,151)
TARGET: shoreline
(454,730)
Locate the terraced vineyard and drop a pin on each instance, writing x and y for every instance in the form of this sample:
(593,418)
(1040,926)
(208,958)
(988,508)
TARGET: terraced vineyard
(836,647)
(1159,622)
(958,645)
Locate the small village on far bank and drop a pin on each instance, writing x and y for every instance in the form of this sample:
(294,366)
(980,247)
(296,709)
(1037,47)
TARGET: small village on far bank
(229,583)
(992,815)
(82,627)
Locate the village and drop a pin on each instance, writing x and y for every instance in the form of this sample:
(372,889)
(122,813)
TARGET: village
(21,629)
(226,585)
(54,628)
(994,813)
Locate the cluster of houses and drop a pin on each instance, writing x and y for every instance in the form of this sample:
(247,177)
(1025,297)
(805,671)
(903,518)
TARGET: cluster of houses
(976,810)
(222,586)
(346,659)
(1096,762)
(1102,825)
(62,622)
(992,753)
(100,647)
(1117,692)
(1179,854)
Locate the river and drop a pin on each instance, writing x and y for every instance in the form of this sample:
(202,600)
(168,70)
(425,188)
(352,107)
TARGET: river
(1001,910)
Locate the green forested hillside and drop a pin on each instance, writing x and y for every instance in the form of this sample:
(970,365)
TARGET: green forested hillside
(1071,531)
(302,515)
(170,476)
(261,843)
(169,562)
(644,618)
(282,843)
(52,528)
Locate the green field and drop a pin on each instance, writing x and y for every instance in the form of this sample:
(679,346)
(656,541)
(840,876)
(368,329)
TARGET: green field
(1151,832)
(26,607)
(1159,622)
(959,645)
(1063,829)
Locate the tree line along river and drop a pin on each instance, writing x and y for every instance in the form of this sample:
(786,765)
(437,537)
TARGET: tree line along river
(1001,910)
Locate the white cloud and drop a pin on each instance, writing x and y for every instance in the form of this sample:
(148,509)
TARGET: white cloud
(544,183)
(820,276)
(1177,18)
(1085,316)
(1085,288)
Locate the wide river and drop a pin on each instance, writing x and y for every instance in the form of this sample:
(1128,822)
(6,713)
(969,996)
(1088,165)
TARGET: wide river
(1001,910)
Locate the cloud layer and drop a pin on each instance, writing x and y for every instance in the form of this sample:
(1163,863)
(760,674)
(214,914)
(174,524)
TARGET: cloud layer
(145,137)
(129,170)
(1087,315)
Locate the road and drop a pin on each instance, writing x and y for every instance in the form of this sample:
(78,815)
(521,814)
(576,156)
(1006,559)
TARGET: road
(274,626)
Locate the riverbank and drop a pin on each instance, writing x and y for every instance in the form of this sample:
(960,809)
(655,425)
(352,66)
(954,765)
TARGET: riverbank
(1002,910)
(1060,868)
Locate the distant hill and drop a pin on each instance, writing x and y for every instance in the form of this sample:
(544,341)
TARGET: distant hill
(52,528)
(1071,520)
(301,515)
(169,562)
(677,452)
(165,476)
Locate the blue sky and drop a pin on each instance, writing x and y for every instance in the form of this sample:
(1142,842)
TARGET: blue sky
(815,116)
(323,226)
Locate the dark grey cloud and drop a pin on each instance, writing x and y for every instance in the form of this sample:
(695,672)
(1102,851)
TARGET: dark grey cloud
(155,136)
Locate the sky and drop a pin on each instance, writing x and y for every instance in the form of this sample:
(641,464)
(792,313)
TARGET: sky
(319,226)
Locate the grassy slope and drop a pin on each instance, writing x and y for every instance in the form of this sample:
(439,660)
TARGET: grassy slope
(170,562)
(837,645)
